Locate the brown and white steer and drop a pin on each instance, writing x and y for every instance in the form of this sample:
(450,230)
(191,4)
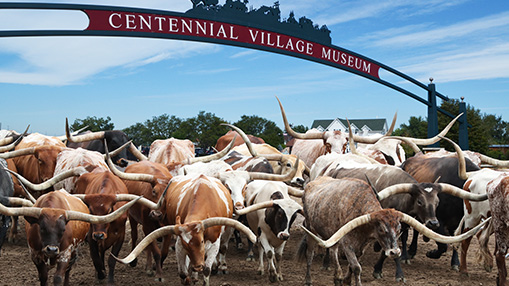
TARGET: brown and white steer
(355,219)
(498,193)
(171,150)
(224,140)
(272,224)
(196,209)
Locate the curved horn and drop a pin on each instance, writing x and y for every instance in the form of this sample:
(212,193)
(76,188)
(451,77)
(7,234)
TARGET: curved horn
(161,198)
(295,192)
(20,202)
(12,145)
(436,138)
(78,171)
(212,157)
(494,162)
(64,137)
(407,141)
(17,153)
(275,177)
(394,189)
(128,176)
(344,230)
(95,219)
(23,211)
(137,153)
(118,150)
(213,221)
(353,149)
(255,207)
(151,237)
(393,124)
(293,133)
(126,198)
(244,137)
(438,237)
(460,193)
(462,164)
(8,140)
(82,138)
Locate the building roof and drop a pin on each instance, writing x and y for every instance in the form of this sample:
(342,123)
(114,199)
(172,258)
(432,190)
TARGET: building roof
(373,124)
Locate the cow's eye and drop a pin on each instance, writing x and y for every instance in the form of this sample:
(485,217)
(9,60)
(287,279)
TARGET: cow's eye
(420,203)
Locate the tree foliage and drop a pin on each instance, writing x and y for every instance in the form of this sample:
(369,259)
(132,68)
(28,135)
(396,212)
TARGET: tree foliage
(486,129)
(94,124)
(261,127)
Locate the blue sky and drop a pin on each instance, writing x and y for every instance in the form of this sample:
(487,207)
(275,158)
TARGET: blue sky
(463,45)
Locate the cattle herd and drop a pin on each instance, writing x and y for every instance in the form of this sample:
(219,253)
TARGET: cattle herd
(349,192)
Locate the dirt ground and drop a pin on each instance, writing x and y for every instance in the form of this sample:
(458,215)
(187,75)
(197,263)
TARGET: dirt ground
(16,268)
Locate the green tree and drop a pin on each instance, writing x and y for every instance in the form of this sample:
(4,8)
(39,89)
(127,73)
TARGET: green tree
(139,133)
(94,124)
(261,127)
(204,129)
(300,128)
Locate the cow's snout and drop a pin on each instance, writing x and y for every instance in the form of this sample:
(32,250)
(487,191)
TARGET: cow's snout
(283,236)
(51,250)
(99,235)
(239,206)
(393,253)
(298,181)
(433,224)
(155,214)
(198,268)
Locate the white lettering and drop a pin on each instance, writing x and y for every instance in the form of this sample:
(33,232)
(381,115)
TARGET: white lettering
(188,26)
(325,53)
(221,31)
(147,23)
(289,45)
(268,40)
(300,46)
(173,25)
(159,20)
(130,20)
(278,44)
(309,48)
(111,20)
(367,67)
(202,28)
(350,61)
(231,34)
(212,29)
(335,56)
(253,37)
(343,59)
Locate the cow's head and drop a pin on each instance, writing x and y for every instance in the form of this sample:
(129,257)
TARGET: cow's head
(52,224)
(387,228)
(280,216)
(46,161)
(287,164)
(192,239)
(425,202)
(236,182)
(100,204)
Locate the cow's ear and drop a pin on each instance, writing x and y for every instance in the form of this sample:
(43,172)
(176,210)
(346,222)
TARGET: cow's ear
(177,220)
(31,220)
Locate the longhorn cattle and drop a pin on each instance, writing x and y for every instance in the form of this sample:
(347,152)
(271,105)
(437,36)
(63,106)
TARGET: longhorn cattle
(195,207)
(6,190)
(100,189)
(353,209)
(95,141)
(428,168)
(224,140)
(171,150)
(498,190)
(147,179)
(419,200)
(56,225)
(272,223)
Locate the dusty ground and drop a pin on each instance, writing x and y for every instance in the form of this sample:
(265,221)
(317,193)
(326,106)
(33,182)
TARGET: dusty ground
(16,268)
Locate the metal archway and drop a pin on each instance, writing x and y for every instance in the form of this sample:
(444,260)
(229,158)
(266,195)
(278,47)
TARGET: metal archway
(233,24)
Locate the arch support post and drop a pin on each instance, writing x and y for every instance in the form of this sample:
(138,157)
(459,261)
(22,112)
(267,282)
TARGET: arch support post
(432,112)
(463,130)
